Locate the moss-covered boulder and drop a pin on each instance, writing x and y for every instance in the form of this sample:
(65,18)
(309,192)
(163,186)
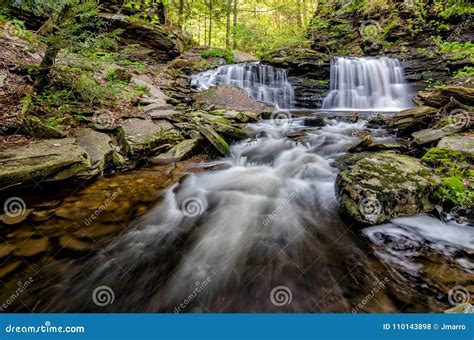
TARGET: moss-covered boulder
(46,161)
(380,186)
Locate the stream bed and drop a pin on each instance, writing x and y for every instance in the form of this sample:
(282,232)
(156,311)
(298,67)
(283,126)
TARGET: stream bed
(257,231)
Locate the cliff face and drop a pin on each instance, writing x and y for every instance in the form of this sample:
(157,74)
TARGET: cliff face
(433,40)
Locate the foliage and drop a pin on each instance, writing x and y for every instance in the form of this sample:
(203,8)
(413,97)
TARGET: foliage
(457,185)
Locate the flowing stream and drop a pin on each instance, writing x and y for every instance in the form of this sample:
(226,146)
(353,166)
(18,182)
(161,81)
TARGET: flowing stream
(260,230)
(262,233)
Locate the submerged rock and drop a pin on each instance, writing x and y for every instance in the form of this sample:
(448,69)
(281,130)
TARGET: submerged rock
(231,98)
(380,186)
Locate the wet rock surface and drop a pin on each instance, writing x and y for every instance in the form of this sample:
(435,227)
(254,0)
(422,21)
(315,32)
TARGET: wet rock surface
(381,186)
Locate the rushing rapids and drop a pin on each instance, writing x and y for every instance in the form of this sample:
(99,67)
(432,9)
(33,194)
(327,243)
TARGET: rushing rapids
(263,82)
(262,233)
(368,84)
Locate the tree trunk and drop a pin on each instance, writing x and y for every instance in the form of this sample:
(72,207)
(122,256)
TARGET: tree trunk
(51,52)
(227,31)
(298,14)
(210,23)
(46,66)
(235,24)
(180,13)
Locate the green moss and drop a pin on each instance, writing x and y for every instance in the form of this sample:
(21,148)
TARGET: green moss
(457,176)
(219,53)
(456,190)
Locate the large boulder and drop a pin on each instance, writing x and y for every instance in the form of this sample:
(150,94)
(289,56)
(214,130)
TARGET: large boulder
(377,187)
(231,98)
(198,59)
(442,96)
(141,138)
(408,121)
(46,161)
(100,149)
(243,57)
(458,143)
(156,43)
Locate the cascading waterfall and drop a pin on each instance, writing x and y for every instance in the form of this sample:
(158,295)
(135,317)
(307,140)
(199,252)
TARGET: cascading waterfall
(263,82)
(367,83)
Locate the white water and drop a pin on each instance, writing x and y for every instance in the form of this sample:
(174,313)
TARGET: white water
(222,240)
(367,84)
(263,82)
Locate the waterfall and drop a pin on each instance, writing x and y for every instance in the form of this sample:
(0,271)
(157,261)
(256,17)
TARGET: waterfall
(263,82)
(367,83)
